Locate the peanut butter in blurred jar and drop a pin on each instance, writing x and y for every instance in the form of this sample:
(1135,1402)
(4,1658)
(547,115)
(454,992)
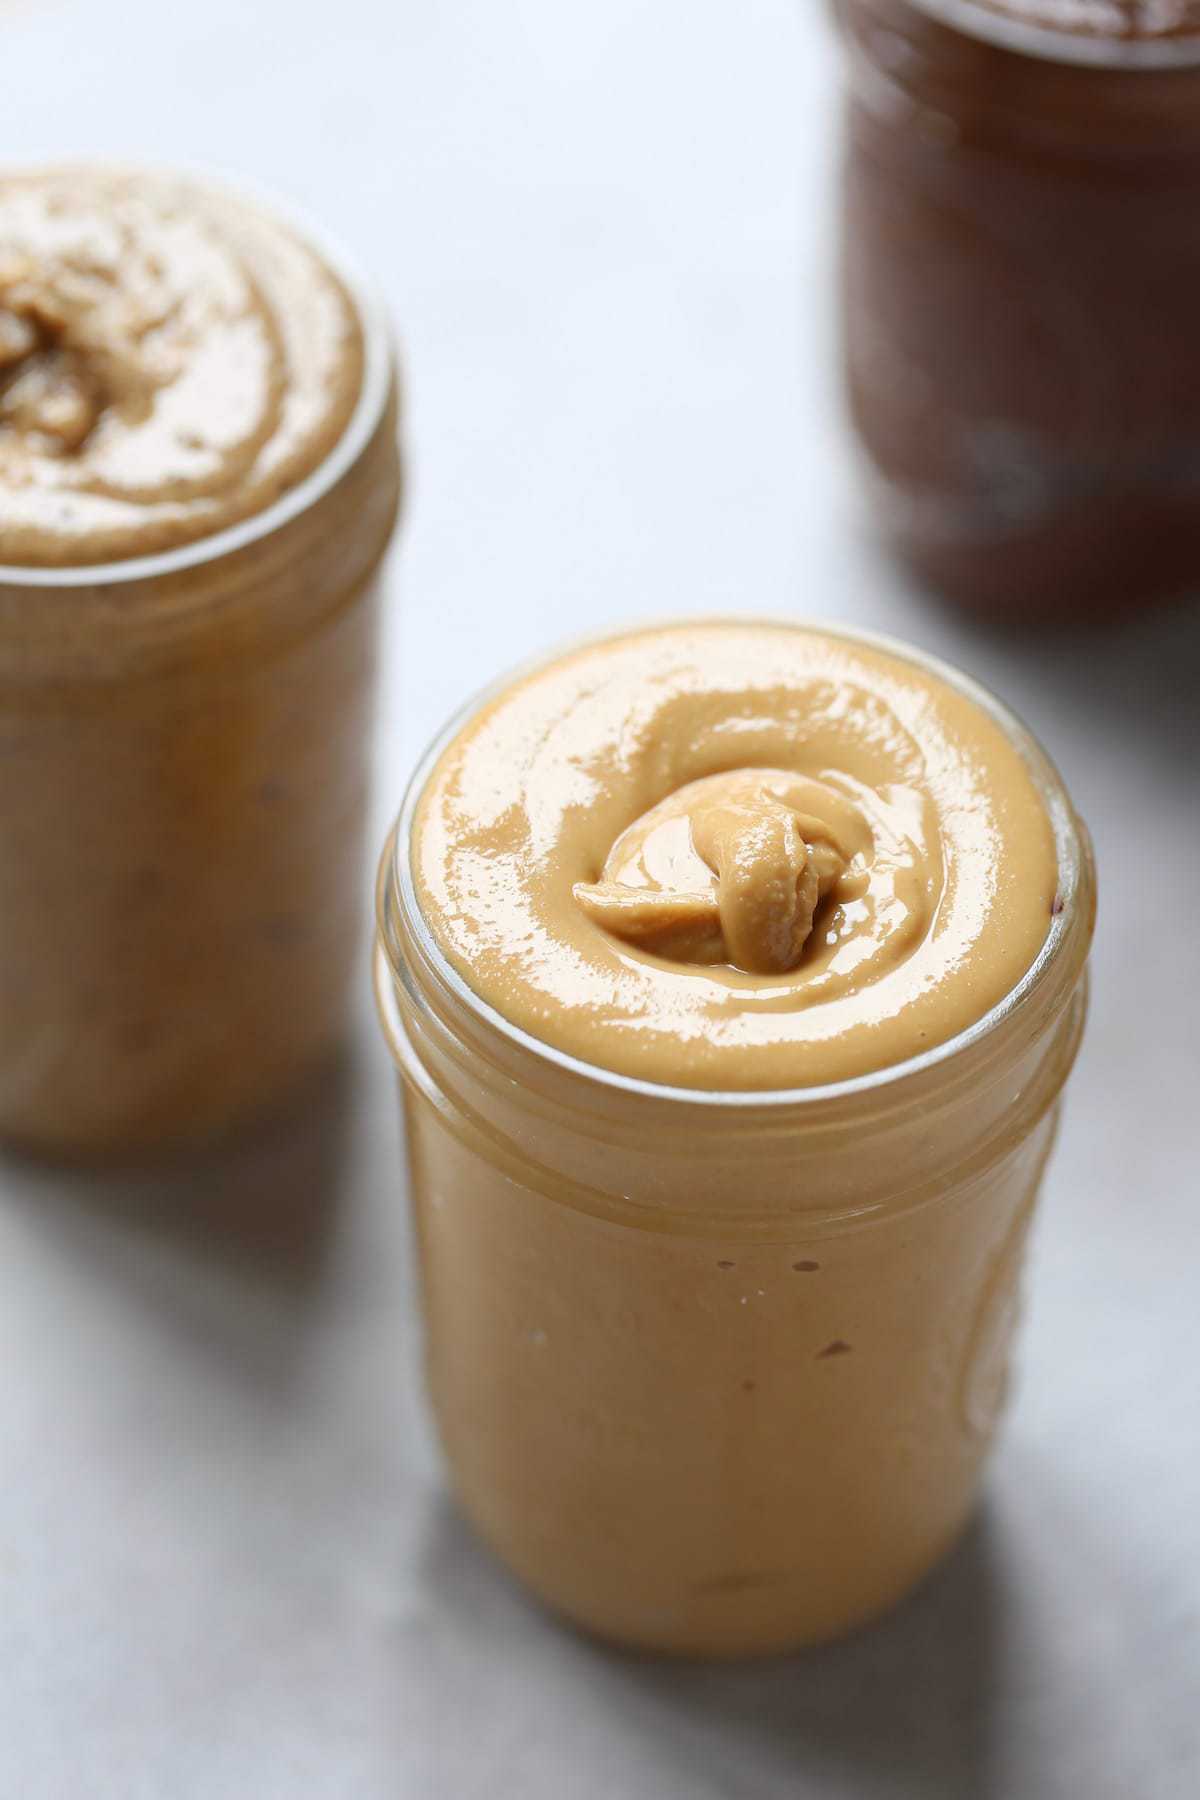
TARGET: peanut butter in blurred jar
(199,476)
(733,972)
(1021,273)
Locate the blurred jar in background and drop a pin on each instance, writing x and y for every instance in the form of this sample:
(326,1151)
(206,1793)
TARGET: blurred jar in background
(1021,291)
(199,476)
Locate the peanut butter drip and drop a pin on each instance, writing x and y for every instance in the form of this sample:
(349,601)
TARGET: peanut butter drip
(171,361)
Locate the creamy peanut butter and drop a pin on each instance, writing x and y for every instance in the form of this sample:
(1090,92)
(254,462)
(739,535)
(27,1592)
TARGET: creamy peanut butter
(716,1372)
(740,856)
(183,738)
(172,360)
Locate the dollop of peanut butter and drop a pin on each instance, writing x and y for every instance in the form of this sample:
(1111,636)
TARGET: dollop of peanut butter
(738,856)
(172,361)
(732,869)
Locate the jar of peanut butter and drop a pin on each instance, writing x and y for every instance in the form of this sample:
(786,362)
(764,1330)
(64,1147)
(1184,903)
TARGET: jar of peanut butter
(1021,284)
(733,972)
(198,479)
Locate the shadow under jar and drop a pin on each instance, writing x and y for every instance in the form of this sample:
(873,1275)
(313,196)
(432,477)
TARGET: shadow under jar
(716,1371)
(1021,285)
(200,474)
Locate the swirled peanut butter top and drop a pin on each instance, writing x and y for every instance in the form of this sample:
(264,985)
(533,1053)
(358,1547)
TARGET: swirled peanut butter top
(735,856)
(172,361)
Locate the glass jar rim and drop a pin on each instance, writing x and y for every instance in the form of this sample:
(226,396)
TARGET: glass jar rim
(1047,42)
(378,363)
(398,871)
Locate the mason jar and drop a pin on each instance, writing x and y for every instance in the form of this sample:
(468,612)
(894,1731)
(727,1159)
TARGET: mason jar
(183,767)
(716,1373)
(1020,290)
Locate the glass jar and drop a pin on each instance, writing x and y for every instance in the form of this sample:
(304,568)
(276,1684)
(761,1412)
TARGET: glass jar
(716,1373)
(183,773)
(1021,284)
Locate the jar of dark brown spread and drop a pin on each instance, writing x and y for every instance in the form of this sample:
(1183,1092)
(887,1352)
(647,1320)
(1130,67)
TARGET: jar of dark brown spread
(1021,290)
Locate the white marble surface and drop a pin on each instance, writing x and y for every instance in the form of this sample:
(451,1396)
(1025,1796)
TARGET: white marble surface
(226,1564)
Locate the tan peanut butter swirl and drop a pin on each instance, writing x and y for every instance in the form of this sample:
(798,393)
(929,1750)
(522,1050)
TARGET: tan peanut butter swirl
(172,361)
(741,856)
(731,869)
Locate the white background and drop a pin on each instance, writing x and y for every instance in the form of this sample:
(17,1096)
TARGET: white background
(226,1564)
